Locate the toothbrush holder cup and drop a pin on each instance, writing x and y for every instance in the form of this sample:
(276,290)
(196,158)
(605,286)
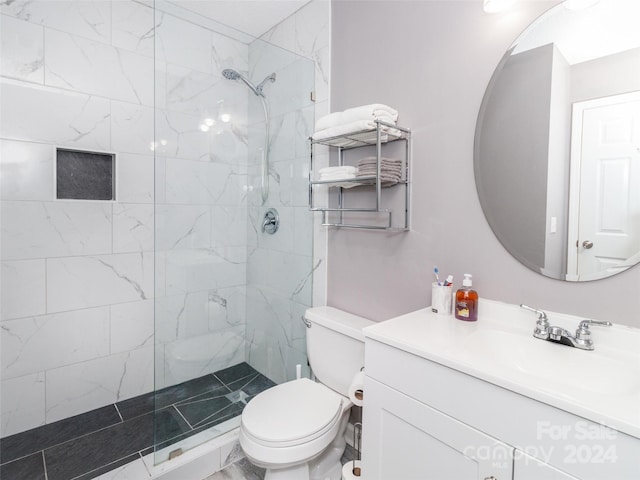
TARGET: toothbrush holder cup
(441,299)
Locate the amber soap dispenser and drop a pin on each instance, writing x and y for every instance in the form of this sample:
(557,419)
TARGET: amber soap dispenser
(467,301)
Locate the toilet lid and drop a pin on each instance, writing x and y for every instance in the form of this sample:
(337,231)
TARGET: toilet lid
(291,411)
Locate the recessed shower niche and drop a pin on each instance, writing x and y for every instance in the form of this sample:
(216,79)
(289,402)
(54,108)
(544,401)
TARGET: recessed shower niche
(82,175)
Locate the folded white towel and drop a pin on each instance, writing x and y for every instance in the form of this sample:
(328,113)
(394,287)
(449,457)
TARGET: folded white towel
(342,184)
(341,169)
(347,176)
(373,111)
(353,127)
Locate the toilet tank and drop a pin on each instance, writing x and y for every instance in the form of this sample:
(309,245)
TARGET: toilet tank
(335,346)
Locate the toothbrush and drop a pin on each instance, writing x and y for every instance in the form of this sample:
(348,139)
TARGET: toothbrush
(436,271)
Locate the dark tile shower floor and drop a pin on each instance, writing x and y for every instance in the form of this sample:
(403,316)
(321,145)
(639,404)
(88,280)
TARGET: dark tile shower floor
(93,443)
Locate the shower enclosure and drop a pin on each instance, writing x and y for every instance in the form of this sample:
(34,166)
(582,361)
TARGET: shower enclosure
(135,175)
(231,124)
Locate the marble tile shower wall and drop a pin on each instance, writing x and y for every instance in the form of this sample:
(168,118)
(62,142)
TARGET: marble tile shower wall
(280,267)
(77,326)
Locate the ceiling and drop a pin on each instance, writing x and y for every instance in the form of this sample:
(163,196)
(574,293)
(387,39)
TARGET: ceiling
(254,17)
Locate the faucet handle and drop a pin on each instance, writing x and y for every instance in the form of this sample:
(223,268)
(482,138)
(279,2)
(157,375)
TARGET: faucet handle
(542,325)
(583,330)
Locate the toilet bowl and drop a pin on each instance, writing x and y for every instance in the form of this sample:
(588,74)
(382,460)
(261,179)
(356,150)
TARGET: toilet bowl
(296,430)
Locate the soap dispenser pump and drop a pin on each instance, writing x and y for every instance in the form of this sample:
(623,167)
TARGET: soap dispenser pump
(467,301)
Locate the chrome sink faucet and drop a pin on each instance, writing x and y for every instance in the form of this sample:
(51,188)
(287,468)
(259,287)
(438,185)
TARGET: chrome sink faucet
(581,340)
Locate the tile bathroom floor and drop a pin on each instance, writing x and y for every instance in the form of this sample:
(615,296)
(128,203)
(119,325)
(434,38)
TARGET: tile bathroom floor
(87,445)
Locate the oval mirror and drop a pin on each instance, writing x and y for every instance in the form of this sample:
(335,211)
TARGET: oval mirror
(557,145)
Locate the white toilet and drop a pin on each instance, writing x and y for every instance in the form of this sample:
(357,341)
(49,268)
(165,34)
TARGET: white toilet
(296,430)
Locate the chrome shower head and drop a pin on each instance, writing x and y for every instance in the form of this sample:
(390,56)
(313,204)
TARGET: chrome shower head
(231,74)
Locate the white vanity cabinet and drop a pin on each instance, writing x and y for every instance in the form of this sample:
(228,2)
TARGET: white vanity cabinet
(427,418)
(407,439)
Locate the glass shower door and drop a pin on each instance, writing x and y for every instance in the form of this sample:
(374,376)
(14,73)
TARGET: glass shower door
(223,331)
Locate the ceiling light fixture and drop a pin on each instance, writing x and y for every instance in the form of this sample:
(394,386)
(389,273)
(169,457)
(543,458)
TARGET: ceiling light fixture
(495,6)
(579,4)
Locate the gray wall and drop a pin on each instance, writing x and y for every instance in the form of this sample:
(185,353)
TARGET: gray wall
(612,75)
(433,64)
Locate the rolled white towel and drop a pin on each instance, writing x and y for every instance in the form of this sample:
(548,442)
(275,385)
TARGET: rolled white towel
(349,128)
(374,111)
(345,176)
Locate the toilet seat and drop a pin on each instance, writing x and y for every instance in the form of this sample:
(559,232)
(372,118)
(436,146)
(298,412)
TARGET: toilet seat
(300,411)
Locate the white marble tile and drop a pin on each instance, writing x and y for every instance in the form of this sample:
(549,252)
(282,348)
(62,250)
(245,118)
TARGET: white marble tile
(269,313)
(23,403)
(228,142)
(322,58)
(312,27)
(293,88)
(193,92)
(227,307)
(88,385)
(282,35)
(183,43)
(133,27)
(287,274)
(132,325)
(26,171)
(298,183)
(208,183)
(180,227)
(135,470)
(95,68)
(135,178)
(179,135)
(196,356)
(228,53)
(281,137)
(182,316)
(42,114)
(35,344)
(302,231)
(228,225)
(21,50)
(132,227)
(80,282)
(266,353)
(88,18)
(304,127)
(297,328)
(54,229)
(205,269)
(23,288)
(132,128)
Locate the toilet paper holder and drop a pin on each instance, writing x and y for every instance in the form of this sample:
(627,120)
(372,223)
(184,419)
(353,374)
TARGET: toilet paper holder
(357,438)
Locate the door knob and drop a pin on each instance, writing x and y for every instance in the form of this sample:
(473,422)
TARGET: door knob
(587,244)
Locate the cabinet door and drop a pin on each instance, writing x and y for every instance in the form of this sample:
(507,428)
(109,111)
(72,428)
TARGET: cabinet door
(528,468)
(403,438)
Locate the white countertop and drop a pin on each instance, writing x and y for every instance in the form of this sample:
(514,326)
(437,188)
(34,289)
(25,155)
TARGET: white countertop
(602,385)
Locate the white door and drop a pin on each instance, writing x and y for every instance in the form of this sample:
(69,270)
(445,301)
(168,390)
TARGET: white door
(608,209)
(406,439)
